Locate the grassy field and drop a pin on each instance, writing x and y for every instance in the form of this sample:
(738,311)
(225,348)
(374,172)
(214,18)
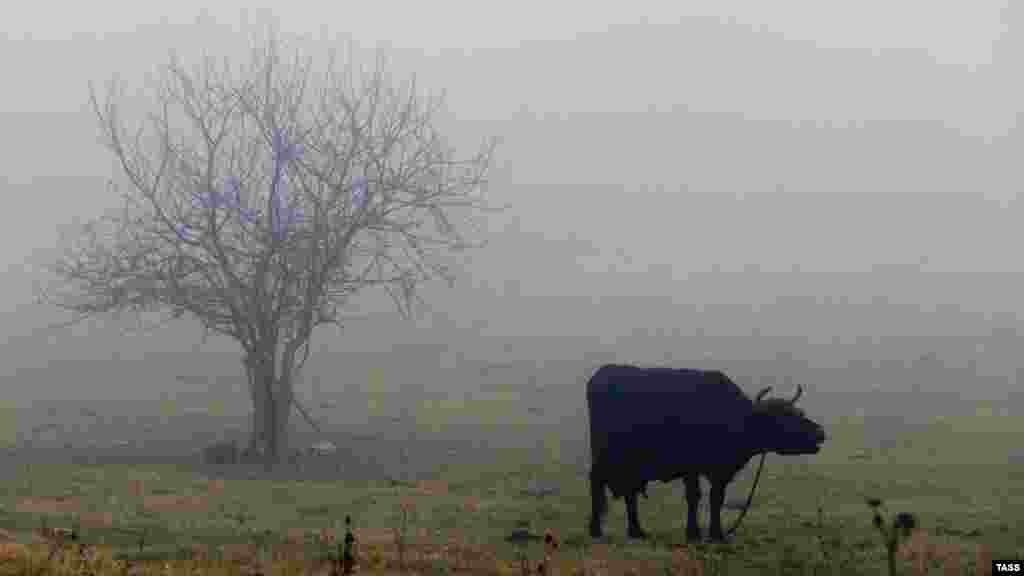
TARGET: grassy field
(809,514)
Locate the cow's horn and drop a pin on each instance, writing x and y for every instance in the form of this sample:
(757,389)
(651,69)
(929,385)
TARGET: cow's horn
(799,391)
(762,394)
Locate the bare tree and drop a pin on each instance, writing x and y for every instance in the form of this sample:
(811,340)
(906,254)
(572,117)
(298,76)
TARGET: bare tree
(207,227)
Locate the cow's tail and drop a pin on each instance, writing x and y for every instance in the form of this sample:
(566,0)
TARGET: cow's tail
(598,502)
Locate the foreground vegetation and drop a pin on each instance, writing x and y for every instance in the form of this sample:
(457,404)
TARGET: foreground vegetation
(809,516)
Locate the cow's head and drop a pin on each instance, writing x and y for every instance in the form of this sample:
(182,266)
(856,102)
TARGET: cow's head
(777,425)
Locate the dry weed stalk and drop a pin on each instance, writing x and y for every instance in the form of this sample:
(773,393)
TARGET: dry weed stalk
(345,561)
(407,507)
(894,535)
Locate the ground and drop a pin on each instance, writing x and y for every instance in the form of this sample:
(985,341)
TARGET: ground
(955,476)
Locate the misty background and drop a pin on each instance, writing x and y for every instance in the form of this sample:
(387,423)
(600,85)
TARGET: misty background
(812,192)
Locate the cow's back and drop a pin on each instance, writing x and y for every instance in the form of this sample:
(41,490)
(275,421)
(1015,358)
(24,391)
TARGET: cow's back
(647,395)
(659,416)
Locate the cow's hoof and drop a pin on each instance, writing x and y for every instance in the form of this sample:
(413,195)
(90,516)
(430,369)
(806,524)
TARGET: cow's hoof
(595,531)
(637,533)
(692,537)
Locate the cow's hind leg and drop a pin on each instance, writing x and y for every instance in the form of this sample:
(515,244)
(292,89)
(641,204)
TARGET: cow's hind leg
(598,504)
(633,517)
(692,483)
(717,499)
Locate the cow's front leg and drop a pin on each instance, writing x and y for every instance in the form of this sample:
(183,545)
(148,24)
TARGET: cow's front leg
(693,495)
(598,503)
(717,499)
(633,516)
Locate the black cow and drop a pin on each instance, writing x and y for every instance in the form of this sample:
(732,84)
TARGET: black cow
(651,424)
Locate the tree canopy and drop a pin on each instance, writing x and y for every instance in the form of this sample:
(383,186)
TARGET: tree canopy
(260,204)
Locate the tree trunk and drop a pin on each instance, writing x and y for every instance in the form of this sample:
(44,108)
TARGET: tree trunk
(260,402)
(277,445)
(272,399)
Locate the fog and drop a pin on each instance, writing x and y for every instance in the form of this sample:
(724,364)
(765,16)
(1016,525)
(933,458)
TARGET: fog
(817,192)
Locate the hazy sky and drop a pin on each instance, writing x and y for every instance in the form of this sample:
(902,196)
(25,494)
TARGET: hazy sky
(646,138)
